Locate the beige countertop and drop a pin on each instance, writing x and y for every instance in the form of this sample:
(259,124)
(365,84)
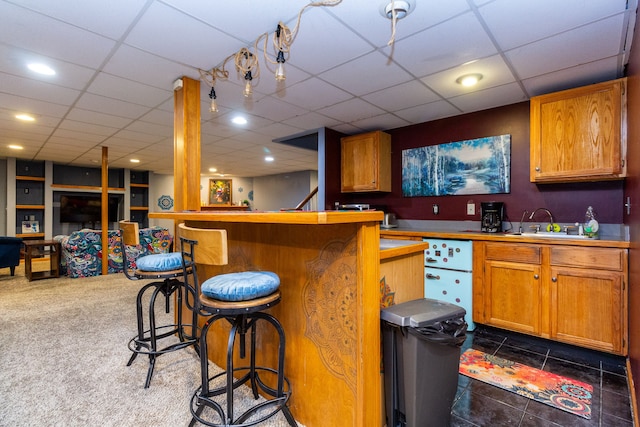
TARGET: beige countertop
(391,248)
(502,237)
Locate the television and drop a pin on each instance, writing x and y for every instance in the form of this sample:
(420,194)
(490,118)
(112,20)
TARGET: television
(81,208)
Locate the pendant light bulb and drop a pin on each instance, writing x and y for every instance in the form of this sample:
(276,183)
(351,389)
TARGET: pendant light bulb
(280,73)
(248,90)
(213,108)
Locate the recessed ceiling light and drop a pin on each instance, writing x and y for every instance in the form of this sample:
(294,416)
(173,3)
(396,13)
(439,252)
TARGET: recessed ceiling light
(134,161)
(239,120)
(469,79)
(213,170)
(42,69)
(16,147)
(269,159)
(25,117)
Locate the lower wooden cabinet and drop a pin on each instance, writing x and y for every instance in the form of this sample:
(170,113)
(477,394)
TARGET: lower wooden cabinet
(571,294)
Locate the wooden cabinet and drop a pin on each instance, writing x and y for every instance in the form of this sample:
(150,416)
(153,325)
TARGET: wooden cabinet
(579,134)
(569,294)
(511,284)
(366,162)
(588,304)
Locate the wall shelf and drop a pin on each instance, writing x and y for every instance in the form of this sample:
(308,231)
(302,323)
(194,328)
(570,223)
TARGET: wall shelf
(29,178)
(30,207)
(87,188)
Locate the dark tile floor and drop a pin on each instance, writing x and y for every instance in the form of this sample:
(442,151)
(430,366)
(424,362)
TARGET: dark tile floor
(480,404)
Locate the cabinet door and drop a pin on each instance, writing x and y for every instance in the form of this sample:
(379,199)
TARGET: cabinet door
(366,162)
(512,296)
(579,134)
(587,308)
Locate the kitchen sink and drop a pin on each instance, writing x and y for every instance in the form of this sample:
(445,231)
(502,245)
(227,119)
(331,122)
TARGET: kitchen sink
(550,235)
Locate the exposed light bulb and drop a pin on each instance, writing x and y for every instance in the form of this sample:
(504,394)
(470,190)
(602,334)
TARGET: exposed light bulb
(248,91)
(280,74)
(213,108)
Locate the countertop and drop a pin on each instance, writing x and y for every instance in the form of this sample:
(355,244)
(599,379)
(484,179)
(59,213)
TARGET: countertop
(281,217)
(390,248)
(503,237)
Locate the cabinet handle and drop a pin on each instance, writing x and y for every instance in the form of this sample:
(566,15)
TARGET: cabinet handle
(432,276)
(535,276)
(431,260)
(554,279)
(537,168)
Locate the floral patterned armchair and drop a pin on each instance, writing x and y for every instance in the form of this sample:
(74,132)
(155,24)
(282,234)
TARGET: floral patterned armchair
(82,250)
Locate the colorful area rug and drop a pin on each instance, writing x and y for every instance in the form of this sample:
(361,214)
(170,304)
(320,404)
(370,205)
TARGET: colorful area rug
(551,389)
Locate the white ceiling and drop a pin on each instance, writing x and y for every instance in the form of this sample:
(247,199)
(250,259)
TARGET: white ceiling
(116,62)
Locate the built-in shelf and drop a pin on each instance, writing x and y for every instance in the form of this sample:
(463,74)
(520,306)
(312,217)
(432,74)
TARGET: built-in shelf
(139,185)
(29,178)
(30,207)
(88,188)
(139,208)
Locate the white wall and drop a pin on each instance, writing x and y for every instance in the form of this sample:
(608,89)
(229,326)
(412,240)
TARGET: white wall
(160,185)
(275,192)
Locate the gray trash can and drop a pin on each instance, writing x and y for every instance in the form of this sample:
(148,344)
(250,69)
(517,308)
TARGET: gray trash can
(421,345)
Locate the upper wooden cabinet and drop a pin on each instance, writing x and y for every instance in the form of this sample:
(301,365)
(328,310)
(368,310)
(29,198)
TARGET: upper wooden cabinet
(366,162)
(580,134)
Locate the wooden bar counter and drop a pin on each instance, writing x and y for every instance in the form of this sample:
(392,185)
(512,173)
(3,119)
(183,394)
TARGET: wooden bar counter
(328,263)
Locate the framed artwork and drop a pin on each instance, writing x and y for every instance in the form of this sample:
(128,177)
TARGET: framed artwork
(220,192)
(475,166)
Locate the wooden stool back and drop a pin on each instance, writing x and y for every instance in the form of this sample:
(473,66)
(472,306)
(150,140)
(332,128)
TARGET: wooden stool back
(212,244)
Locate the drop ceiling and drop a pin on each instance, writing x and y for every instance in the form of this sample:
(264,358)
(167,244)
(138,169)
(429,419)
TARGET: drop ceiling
(116,62)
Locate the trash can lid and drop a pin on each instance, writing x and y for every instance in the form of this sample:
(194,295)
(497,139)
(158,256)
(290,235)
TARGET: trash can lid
(421,312)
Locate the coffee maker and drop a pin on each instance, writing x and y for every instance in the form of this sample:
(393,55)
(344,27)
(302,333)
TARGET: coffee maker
(492,215)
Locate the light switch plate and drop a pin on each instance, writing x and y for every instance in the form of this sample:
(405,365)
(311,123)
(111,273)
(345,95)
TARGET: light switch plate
(471,208)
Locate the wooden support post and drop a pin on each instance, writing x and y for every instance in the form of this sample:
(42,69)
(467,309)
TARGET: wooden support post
(186,152)
(104,218)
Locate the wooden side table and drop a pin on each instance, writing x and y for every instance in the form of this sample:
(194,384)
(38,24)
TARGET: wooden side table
(31,250)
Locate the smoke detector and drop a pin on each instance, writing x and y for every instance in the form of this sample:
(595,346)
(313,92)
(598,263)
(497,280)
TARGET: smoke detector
(401,7)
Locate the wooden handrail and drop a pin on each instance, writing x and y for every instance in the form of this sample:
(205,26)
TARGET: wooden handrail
(306,199)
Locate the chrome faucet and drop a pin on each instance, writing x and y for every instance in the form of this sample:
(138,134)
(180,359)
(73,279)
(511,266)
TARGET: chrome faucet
(521,229)
(548,213)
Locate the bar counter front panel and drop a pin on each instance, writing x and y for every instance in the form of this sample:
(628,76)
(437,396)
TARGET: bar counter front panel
(330,308)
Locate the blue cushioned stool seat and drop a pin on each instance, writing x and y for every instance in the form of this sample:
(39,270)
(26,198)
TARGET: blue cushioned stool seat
(160,262)
(242,286)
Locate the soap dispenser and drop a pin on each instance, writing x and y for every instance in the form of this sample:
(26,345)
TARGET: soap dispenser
(590,224)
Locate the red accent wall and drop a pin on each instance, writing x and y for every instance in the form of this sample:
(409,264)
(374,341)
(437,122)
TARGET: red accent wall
(632,190)
(567,202)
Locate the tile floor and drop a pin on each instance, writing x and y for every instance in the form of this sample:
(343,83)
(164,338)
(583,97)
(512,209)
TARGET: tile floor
(480,404)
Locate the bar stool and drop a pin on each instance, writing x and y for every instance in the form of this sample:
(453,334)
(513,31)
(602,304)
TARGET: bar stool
(240,299)
(167,267)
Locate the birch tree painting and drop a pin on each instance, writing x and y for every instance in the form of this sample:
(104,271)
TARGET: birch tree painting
(475,166)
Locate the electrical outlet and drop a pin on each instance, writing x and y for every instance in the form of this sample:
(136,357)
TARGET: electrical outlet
(471,208)
(436,209)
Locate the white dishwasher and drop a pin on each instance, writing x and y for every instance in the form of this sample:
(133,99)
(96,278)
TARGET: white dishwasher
(448,266)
